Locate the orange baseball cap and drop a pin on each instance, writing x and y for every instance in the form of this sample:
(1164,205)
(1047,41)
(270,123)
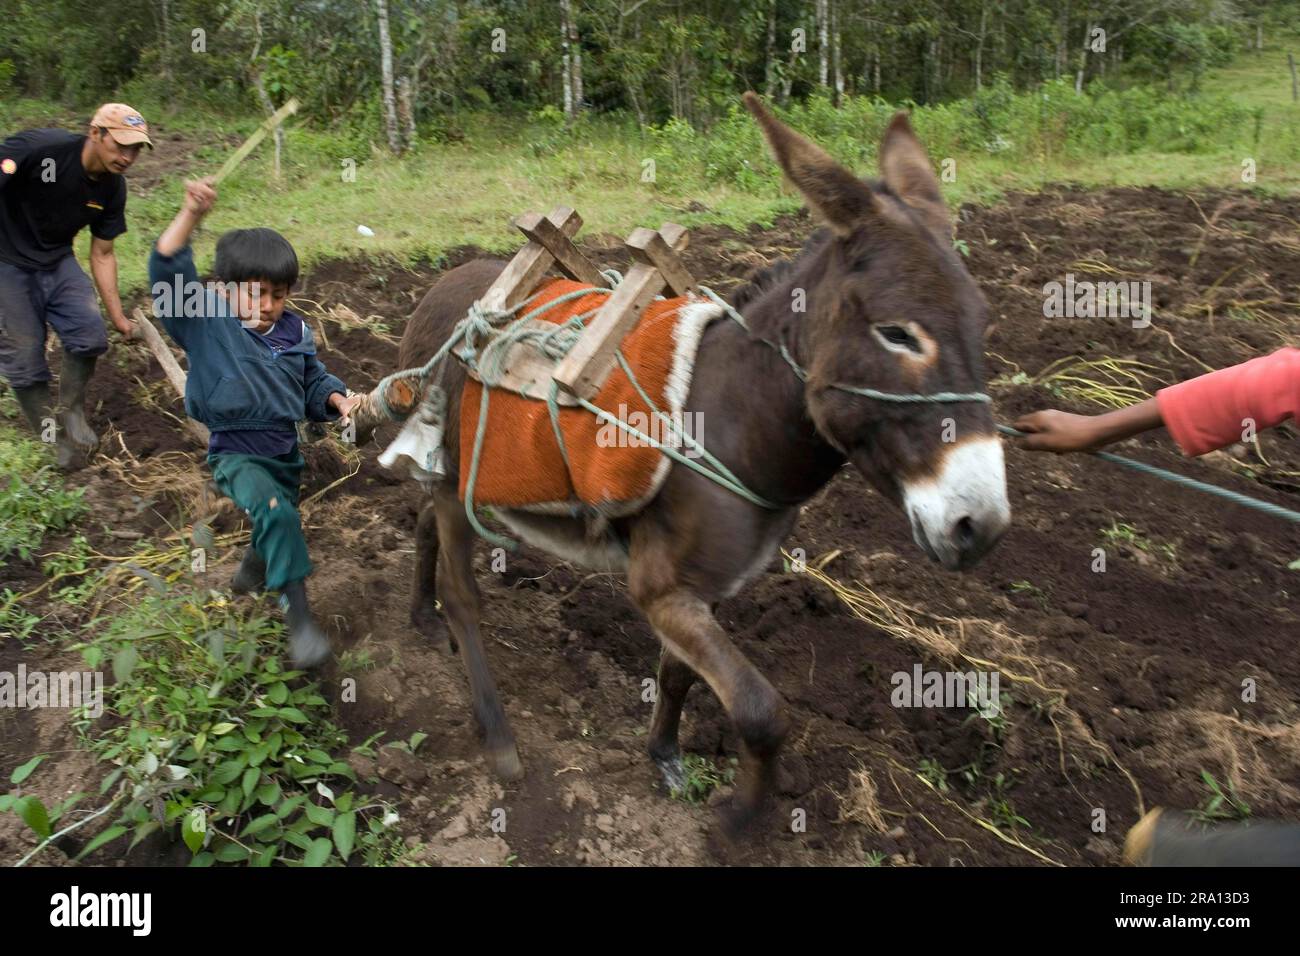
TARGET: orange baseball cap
(123,123)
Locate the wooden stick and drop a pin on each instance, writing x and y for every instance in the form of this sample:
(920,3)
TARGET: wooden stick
(567,257)
(171,368)
(517,281)
(259,134)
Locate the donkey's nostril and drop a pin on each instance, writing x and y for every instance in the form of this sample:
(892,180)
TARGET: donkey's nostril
(963,534)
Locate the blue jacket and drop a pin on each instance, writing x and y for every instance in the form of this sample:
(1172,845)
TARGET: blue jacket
(236,382)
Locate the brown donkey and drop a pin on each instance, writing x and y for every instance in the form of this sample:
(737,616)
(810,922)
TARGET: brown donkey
(887,306)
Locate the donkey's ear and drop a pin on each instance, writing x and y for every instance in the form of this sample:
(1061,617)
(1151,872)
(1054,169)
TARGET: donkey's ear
(905,168)
(839,197)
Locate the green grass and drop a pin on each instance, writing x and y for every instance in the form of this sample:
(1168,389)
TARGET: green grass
(450,194)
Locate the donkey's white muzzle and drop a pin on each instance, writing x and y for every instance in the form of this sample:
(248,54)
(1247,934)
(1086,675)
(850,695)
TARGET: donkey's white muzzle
(959,514)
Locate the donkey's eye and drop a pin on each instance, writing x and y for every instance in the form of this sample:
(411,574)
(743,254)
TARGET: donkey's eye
(897,338)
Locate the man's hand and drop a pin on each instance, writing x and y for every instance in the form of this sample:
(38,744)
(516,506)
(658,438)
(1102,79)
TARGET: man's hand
(1051,430)
(199,197)
(344,404)
(124,326)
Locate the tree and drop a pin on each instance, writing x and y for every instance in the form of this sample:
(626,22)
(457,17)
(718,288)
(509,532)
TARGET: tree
(386,69)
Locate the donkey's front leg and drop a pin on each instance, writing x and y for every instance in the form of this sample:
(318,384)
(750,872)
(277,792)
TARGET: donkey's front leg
(460,599)
(688,629)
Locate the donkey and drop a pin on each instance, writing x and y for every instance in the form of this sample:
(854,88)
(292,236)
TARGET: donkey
(887,304)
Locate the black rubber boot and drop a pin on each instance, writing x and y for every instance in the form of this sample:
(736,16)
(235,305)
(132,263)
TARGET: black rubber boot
(251,575)
(77,370)
(34,400)
(308,645)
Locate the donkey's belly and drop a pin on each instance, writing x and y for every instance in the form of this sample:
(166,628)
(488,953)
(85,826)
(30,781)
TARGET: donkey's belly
(567,538)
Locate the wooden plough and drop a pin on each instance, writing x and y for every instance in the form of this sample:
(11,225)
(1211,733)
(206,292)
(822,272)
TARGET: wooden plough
(656,269)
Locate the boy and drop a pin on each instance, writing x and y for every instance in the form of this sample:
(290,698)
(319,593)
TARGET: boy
(253,376)
(1201,414)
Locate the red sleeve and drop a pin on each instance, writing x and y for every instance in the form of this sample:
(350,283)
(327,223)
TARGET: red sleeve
(1209,412)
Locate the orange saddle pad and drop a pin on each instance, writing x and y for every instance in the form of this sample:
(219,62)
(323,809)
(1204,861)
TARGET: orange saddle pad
(609,470)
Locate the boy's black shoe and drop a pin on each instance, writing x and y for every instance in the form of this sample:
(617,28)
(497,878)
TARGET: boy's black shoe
(251,575)
(308,645)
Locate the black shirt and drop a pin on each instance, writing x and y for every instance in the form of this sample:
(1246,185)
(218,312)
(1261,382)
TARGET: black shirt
(46,198)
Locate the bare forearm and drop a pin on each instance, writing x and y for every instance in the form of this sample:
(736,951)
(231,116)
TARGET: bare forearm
(1052,430)
(104,270)
(1127,422)
(177,235)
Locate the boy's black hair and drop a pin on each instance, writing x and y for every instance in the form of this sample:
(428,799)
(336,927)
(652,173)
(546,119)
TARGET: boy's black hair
(246,255)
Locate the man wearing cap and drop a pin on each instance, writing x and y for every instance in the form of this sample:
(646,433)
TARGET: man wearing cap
(52,183)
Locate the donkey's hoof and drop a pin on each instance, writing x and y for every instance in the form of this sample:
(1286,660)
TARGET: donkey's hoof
(739,819)
(673,771)
(504,761)
(433,627)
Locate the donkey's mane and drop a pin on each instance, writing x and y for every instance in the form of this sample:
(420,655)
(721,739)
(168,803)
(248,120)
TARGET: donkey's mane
(765,278)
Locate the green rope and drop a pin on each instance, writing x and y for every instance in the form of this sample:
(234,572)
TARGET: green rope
(480,323)
(1276,511)
(930,397)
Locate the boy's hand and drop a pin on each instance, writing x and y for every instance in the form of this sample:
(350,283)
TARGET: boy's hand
(344,404)
(199,197)
(1051,430)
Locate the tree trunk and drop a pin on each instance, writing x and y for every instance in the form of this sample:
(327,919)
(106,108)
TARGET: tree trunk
(269,107)
(769,68)
(406,111)
(1062,39)
(1083,59)
(566,12)
(575,43)
(979,47)
(823,43)
(837,54)
(165,37)
(386,65)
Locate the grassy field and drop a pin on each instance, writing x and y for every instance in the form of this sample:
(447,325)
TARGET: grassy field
(455,193)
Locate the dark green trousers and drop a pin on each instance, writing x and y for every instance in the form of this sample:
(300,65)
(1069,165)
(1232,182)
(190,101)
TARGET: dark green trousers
(267,488)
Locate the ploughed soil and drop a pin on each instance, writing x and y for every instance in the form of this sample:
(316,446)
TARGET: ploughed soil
(1120,688)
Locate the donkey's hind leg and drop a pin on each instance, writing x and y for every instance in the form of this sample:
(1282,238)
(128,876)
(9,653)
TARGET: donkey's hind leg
(424,589)
(675,679)
(460,600)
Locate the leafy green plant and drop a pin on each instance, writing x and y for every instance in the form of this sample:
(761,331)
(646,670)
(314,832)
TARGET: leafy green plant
(1221,804)
(1000,808)
(934,773)
(15,620)
(702,778)
(215,742)
(1119,533)
(33,499)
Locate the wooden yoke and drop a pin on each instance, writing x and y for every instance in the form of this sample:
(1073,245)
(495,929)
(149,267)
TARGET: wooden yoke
(549,243)
(657,266)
